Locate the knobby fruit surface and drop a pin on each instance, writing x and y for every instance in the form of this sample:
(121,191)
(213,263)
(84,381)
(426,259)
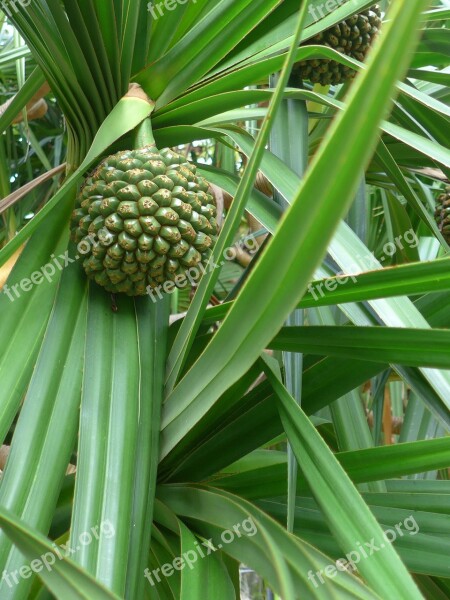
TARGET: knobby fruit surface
(442,214)
(145,217)
(353,37)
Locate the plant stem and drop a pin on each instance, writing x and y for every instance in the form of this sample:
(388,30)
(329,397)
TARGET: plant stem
(144,134)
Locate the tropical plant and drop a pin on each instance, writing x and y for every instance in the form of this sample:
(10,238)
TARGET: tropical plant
(302,418)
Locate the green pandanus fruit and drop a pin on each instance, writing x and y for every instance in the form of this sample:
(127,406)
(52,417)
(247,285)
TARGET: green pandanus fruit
(147,217)
(442,214)
(353,37)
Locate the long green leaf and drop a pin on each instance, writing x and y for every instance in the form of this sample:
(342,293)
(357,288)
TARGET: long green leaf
(383,570)
(189,328)
(28,311)
(262,474)
(46,429)
(300,243)
(152,324)
(412,347)
(109,428)
(214,512)
(62,576)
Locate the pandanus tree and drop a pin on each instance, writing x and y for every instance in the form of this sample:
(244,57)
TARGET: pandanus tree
(236,433)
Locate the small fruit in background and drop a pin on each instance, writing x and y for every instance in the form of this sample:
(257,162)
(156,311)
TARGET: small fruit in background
(353,37)
(442,214)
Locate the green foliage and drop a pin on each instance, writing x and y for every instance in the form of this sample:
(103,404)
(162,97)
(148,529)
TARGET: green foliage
(275,439)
